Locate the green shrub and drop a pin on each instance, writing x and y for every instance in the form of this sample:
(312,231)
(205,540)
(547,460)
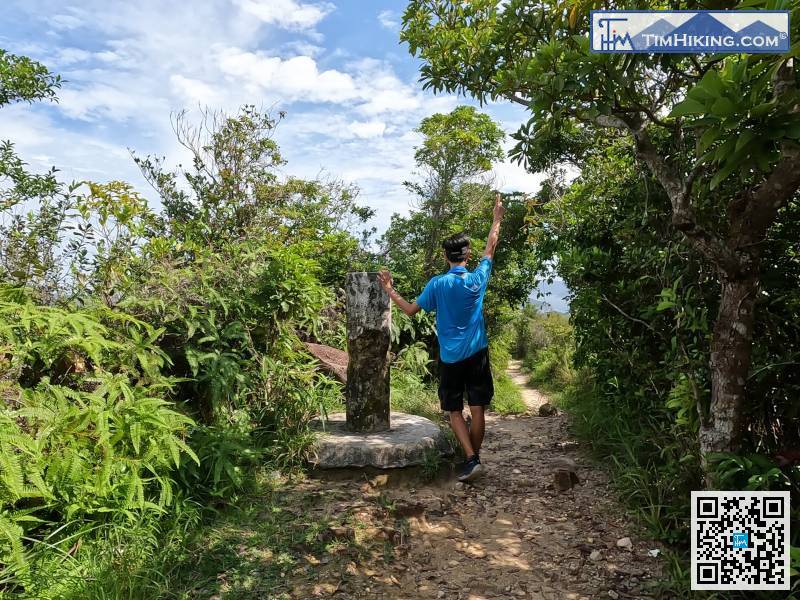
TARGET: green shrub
(545,345)
(412,389)
(87,431)
(161,362)
(230,323)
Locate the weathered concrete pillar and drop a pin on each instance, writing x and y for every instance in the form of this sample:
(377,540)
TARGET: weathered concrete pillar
(369,320)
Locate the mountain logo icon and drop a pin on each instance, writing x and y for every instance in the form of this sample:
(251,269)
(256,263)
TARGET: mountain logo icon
(687,32)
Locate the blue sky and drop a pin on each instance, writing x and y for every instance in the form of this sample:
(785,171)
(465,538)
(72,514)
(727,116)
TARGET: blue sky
(349,89)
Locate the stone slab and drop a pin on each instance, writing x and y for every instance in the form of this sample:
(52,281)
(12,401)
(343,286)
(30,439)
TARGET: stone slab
(332,360)
(405,444)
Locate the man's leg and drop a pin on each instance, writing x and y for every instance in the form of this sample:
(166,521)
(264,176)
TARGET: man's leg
(480,389)
(477,427)
(462,433)
(452,378)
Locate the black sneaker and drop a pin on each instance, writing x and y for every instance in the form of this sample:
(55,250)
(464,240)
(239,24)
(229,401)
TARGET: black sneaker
(472,470)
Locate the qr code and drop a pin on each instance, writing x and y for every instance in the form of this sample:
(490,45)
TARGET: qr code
(740,540)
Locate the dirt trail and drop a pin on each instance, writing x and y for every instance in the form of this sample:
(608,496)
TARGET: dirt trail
(510,535)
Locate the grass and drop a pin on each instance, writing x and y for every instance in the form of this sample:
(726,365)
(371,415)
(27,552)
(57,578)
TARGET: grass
(127,560)
(272,541)
(410,394)
(432,465)
(653,472)
(507,396)
(275,539)
(653,467)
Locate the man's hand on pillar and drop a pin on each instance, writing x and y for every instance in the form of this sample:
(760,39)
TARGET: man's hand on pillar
(385,278)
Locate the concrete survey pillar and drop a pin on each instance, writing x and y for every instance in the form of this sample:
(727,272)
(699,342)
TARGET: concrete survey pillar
(369,319)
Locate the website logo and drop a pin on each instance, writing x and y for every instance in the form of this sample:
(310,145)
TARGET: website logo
(686,32)
(740,539)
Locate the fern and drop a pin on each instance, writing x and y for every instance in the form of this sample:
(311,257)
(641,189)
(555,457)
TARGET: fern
(11,476)
(11,550)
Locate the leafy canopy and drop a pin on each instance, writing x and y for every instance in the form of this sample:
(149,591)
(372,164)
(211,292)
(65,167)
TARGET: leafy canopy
(537,55)
(25,80)
(459,145)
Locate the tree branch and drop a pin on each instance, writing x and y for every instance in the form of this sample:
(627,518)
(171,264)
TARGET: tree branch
(693,174)
(771,196)
(678,192)
(683,215)
(779,187)
(626,315)
(519,100)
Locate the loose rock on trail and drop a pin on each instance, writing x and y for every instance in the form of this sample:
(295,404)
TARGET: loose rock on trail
(513,534)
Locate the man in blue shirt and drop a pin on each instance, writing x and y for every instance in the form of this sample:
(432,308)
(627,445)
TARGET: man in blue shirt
(457,299)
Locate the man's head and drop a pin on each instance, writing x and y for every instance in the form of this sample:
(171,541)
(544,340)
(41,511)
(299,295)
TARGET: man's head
(456,248)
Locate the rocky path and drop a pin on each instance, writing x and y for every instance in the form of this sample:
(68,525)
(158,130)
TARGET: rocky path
(513,534)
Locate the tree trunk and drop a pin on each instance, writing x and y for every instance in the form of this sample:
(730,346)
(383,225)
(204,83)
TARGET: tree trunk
(433,260)
(731,349)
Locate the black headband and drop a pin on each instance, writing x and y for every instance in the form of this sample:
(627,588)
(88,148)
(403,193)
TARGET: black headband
(456,254)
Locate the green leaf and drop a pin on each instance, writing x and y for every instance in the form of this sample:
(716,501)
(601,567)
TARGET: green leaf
(793,131)
(712,83)
(764,161)
(700,94)
(664,305)
(723,107)
(723,174)
(744,138)
(708,138)
(725,149)
(688,107)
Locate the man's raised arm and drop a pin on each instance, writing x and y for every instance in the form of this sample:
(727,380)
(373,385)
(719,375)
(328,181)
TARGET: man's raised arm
(410,308)
(494,232)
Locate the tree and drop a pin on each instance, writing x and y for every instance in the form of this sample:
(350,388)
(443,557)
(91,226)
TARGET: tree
(22,80)
(456,149)
(232,190)
(27,242)
(694,121)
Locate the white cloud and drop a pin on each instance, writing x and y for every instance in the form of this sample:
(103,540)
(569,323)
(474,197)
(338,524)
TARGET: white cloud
(104,101)
(371,87)
(511,177)
(303,48)
(195,92)
(62,21)
(68,56)
(108,57)
(43,143)
(289,14)
(389,20)
(296,78)
(367,129)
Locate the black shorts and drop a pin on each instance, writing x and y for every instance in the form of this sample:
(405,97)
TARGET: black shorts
(471,375)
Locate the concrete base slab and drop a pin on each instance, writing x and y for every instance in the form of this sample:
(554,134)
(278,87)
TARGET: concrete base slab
(407,442)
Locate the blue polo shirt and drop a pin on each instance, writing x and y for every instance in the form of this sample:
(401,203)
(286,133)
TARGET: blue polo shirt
(457,299)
